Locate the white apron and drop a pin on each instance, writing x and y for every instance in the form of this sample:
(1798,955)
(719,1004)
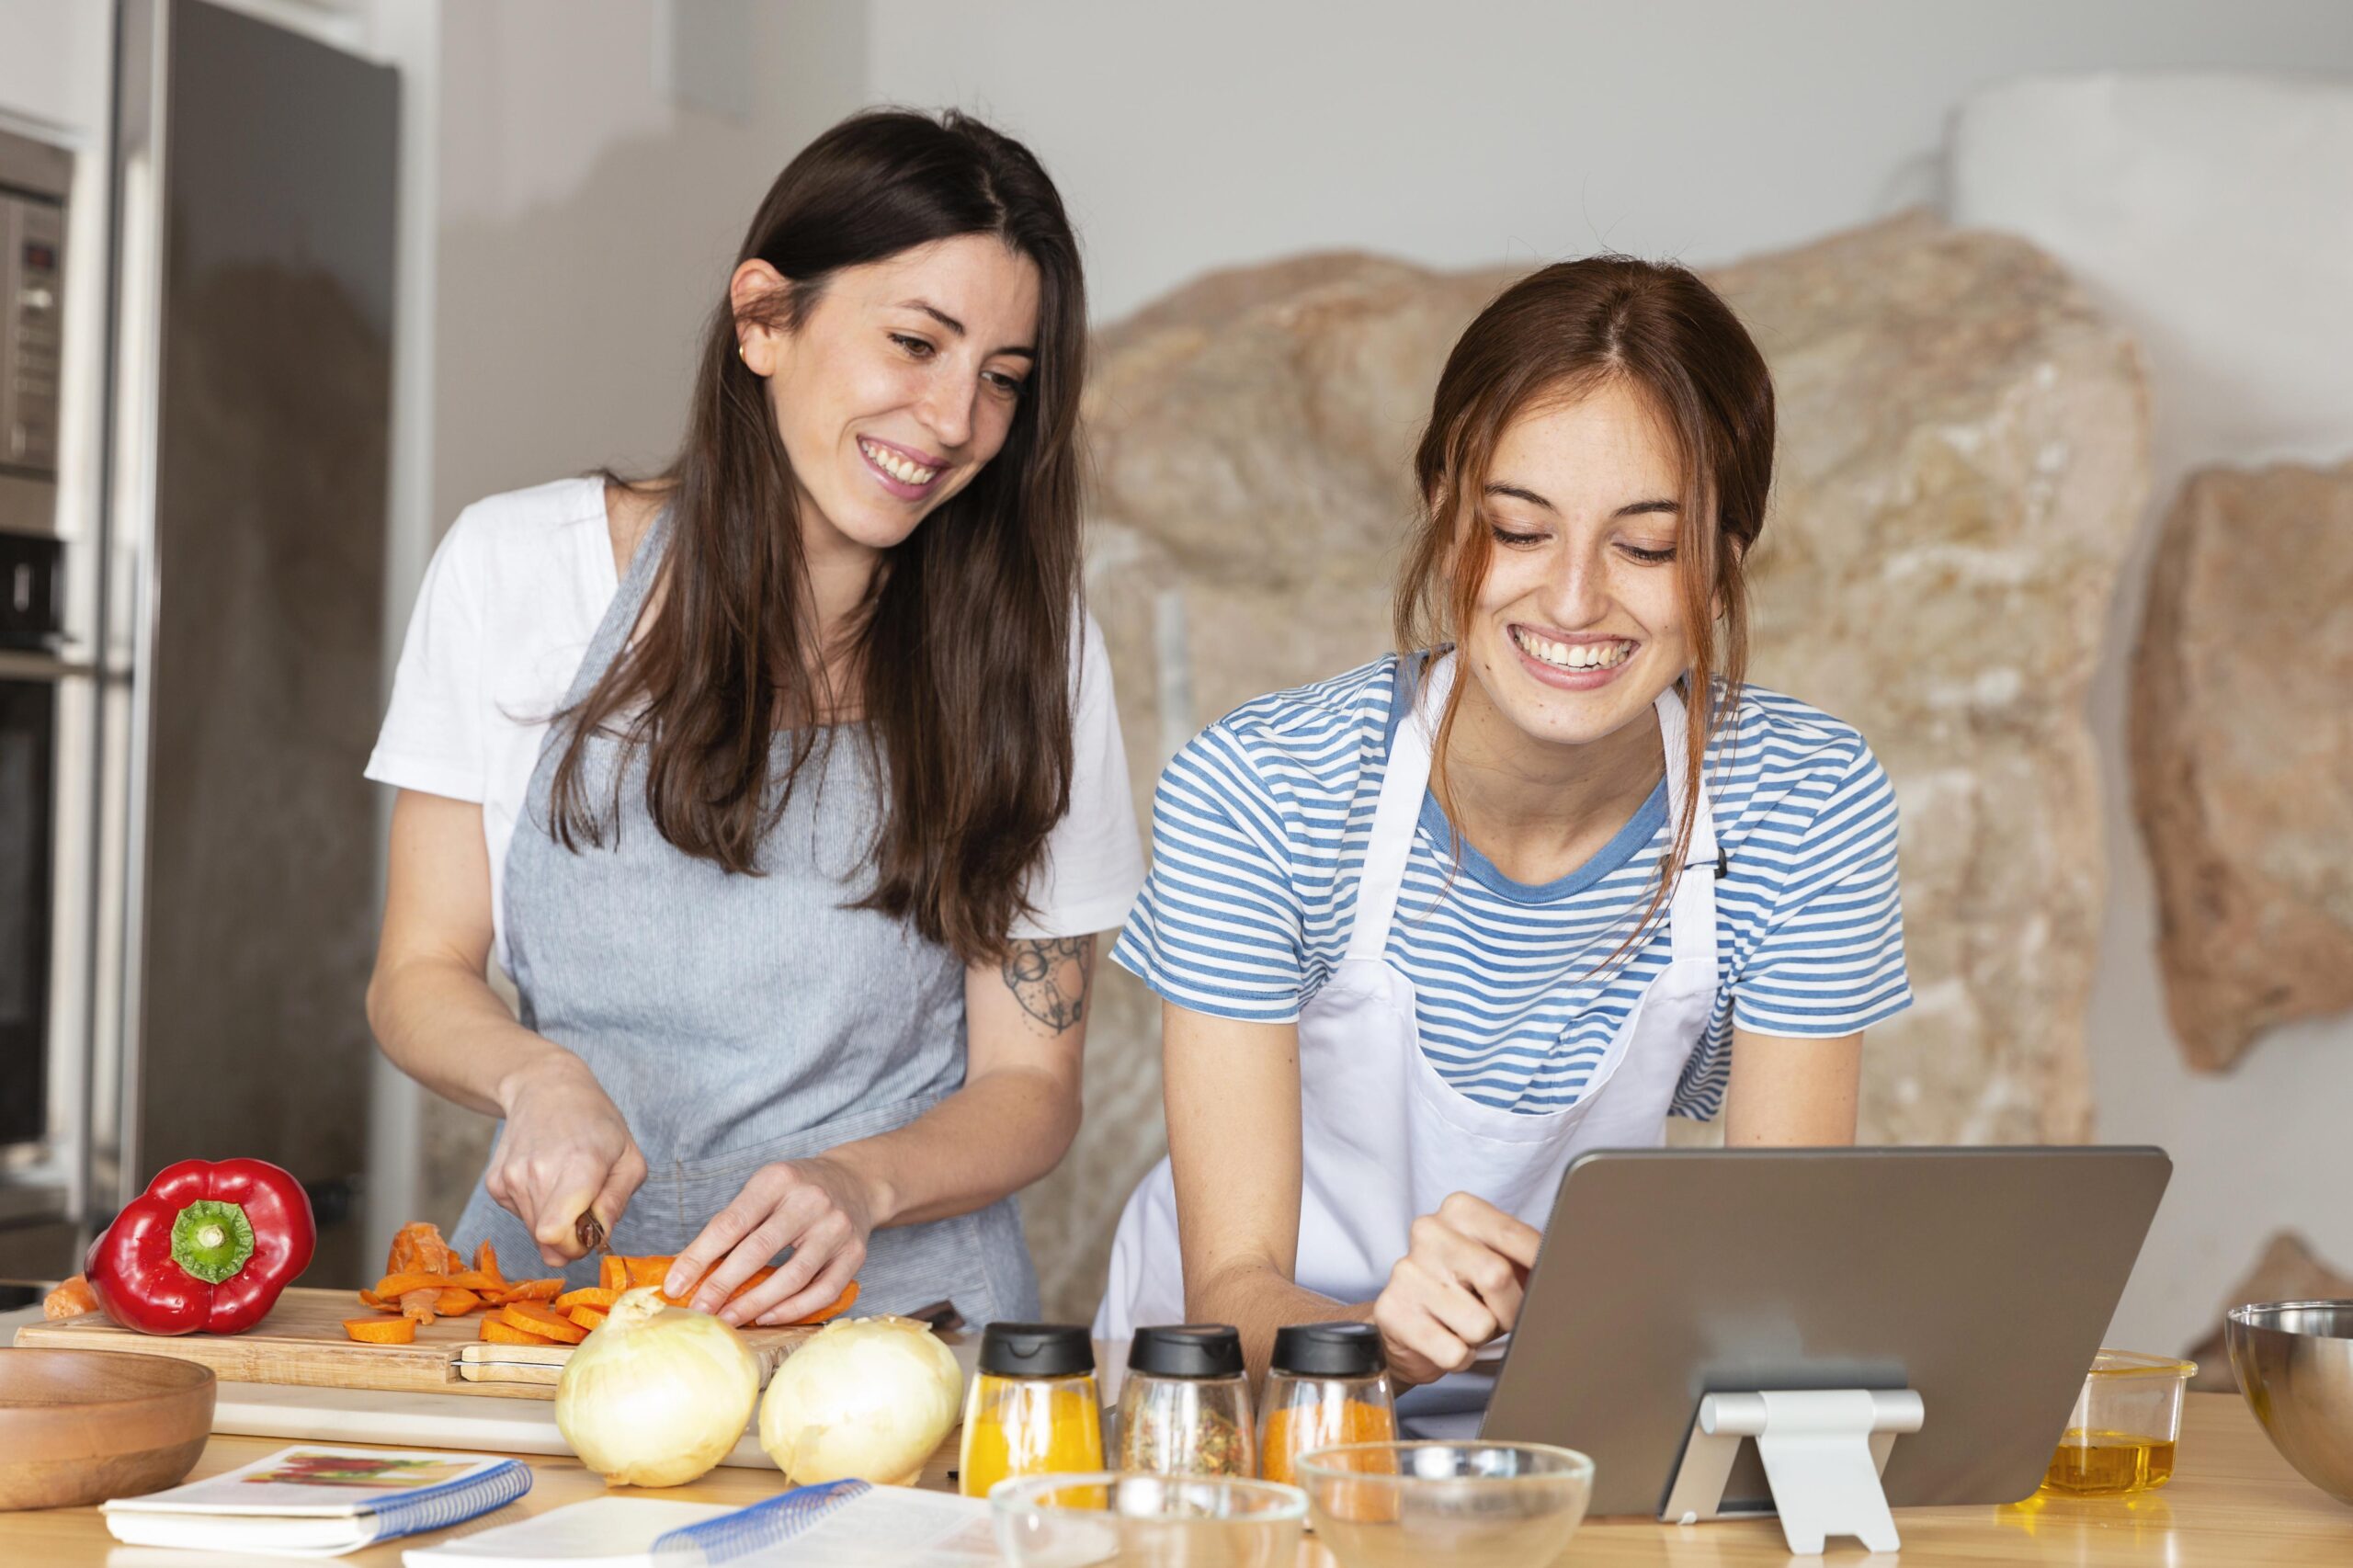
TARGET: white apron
(1384,1137)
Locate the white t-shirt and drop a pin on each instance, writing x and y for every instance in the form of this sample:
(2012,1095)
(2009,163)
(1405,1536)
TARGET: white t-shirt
(506,611)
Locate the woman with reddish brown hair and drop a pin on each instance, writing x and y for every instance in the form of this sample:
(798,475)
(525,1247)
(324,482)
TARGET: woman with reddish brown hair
(786,783)
(1426,930)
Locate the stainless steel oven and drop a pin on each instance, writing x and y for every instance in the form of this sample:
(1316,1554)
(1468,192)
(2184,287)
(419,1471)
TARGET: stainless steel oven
(32,268)
(38,1143)
(28,794)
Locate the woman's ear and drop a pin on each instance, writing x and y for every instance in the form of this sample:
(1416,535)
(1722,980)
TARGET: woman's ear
(756,294)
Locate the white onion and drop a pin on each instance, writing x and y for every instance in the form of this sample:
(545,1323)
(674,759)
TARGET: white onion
(866,1397)
(657,1395)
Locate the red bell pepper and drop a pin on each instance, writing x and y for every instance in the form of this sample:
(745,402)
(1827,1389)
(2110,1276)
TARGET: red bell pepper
(206,1246)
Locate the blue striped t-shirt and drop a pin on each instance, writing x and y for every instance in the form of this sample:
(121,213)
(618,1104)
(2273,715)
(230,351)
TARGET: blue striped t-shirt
(1259,828)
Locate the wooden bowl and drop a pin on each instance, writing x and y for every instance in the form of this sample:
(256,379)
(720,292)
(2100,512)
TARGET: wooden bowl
(79,1427)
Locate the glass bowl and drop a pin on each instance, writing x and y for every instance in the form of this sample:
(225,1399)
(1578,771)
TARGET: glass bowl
(2121,1436)
(1149,1521)
(1467,1504)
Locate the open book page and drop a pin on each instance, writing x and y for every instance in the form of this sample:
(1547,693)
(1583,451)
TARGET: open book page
(882,1527)
(319,1481)
(610,1532)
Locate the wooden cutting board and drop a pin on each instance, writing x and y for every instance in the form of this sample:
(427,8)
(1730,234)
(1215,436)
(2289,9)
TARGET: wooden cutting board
(301,1342)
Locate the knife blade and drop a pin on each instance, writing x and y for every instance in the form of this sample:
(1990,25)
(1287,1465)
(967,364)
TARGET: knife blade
(589,1232)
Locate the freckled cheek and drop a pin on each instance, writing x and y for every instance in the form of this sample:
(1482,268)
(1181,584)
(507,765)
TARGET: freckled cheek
(1658,606)
(1509,582)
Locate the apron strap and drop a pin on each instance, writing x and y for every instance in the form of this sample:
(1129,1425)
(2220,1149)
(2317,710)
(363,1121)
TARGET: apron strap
(1692,912)
(1402,784)
(620,616)
(1399,807)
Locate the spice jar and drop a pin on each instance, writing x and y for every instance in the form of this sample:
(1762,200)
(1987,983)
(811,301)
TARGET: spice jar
(1033,1409)
(1328,1384)
(1186,1406)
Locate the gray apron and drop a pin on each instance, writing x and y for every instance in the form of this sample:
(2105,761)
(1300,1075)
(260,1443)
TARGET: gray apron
(739,1020)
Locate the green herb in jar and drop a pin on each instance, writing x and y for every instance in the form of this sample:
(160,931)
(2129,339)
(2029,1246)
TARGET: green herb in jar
(1211,1444)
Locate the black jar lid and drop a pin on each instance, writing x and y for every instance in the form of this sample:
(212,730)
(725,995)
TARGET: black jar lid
(1329,1350)
(1186,1350)
(1037,1350)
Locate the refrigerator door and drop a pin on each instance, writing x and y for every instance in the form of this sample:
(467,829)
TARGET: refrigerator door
(258,174)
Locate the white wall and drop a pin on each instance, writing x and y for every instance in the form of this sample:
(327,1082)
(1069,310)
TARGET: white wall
(55,63)
(1473,131)
(589,220)
(1478,131)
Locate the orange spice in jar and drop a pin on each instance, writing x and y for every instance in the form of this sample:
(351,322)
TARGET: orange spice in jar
(1328,1384)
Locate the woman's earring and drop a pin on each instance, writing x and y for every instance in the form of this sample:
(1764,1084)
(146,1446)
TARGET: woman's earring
(739,352)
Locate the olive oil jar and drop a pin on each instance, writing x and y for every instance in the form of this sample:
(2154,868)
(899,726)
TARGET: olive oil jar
(2119,1439)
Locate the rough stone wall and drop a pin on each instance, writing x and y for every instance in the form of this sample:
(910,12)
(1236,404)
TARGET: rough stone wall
(2287,1270)
(2242,753)
(1962,465)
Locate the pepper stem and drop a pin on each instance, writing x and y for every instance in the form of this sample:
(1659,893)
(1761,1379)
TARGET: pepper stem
(211,1240)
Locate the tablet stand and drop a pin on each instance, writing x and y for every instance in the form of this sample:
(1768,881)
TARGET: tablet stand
(1822,1448)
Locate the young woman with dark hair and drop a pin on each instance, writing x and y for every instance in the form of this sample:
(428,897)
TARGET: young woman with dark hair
(786,784)
(1426,930)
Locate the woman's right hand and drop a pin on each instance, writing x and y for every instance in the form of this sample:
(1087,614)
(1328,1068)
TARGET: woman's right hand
(1457,1288)
(565,1151)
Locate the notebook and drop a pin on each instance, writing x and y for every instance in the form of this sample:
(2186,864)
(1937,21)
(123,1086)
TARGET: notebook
(315,1500)
(845,1524)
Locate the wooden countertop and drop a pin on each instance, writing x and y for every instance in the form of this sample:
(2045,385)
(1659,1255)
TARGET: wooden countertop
(2234,1502)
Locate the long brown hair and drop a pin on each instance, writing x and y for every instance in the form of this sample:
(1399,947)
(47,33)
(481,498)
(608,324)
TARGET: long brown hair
(961,657)
(1561,332)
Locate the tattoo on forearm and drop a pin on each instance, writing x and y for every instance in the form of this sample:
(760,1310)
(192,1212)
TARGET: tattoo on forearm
(1049,976)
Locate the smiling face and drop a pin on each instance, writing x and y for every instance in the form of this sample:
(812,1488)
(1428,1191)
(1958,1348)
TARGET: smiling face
(898,386)
(1580,623)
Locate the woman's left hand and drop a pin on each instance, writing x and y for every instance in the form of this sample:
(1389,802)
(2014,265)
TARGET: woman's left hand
(817,1207)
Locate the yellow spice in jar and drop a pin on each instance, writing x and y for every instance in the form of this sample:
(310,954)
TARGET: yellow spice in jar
(1028,1429)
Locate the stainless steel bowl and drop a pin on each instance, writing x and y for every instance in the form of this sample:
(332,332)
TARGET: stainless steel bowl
(2294,1363)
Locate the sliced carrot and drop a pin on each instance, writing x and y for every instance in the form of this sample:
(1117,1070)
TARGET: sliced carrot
(841,1304)
(834,1309)
(456,1303)
(648,1270)
(756,1276)
(393,1284)
(419,1305)
(586,1296)
(533,1291)
(486,1264)
(381,1331)
(590,1318)
(533,1318)
(499,1332)
(69,1300)
(469,1279)
(613,1273)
